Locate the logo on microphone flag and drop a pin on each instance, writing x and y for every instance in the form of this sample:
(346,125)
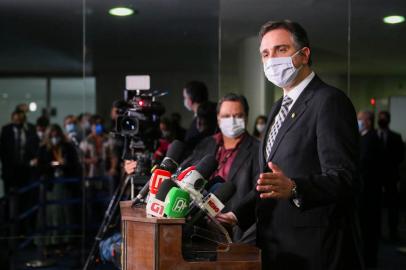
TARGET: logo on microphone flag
(179,205)
(213,205)
(157,178)
(155,207)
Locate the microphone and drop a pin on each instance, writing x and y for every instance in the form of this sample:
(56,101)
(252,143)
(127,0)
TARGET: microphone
(214,184)
(212,204)
(155,206)
(193,179)
(169,164)
(177,203)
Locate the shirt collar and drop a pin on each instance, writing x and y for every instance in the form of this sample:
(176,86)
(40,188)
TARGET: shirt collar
(295,92)
(218,138)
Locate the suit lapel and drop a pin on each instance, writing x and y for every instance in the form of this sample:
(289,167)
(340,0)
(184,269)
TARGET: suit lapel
(294,114)
(243,152)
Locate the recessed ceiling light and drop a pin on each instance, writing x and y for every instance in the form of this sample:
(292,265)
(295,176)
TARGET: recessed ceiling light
(121,11)
(393,19)
(33,106)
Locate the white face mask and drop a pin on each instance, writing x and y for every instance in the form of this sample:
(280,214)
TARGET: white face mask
(281,71)
(187,105)
(55,140)
(260,128)
(232,127)
(40,134)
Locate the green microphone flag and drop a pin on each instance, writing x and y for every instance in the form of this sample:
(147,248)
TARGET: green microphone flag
(177,203)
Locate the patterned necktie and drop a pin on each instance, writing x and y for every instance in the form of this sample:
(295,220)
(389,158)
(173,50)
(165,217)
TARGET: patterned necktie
(280,117)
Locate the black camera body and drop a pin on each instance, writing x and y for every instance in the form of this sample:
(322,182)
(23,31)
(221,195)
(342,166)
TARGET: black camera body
(139,119)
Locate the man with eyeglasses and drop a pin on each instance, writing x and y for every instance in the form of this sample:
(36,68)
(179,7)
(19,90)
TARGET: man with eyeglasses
(236,152)
(304,202)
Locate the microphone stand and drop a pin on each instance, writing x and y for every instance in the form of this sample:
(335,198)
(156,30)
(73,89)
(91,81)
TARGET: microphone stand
(108,216)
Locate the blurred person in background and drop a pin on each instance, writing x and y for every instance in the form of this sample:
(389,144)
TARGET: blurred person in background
(41,127)
(371,152)
(70,124)
(206,120)
(195,93)
(84,124)
(18,146)
(259,127)
(100,164)
(23,107)
(99,158)
(164,141)
(57,159)
(393,155)
(178,131)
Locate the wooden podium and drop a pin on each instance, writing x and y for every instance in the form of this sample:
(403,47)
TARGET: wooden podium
(156,244)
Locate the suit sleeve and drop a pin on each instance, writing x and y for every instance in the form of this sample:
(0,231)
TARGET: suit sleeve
(245,210)
(338,152)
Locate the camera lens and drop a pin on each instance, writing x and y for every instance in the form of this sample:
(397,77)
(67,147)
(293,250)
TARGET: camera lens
(129,125)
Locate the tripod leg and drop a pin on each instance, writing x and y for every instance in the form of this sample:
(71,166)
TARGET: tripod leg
(111,209)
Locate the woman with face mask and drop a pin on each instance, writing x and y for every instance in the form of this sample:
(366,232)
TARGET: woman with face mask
(259,127)
(57,158)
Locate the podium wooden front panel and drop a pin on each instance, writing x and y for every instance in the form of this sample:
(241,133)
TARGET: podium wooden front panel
(156,244)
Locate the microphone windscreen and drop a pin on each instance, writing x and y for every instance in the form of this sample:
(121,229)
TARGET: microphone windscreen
(225,192)
(207,166)
(164,188)
(173,156)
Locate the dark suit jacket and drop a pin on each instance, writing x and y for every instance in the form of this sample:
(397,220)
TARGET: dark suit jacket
(16,173)
(317,147)
(394,153)
(243,173)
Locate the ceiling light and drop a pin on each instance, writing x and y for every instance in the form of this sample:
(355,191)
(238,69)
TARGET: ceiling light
(393,19)
(121,11)
(33,106)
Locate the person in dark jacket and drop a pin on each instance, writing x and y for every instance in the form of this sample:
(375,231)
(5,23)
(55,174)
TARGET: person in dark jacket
(236,152)
(371,157)
(195,94)
(306,198)
(394,154)
(57,158)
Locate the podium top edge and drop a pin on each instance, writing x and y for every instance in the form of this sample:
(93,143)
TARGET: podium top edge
(138,214)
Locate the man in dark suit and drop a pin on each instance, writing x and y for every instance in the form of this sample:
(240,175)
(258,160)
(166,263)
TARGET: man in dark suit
(18,146)
(371,157)
(305,199)
(19,143)
(394,153)
(236,152)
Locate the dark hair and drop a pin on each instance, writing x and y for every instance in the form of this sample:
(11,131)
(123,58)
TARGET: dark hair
(255,132)
(42,121)
(175,118)
(386,114)
(166,122)
(206,115)
(59,132)
(197,91)
(237,98)
(299,34)
(96,119)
